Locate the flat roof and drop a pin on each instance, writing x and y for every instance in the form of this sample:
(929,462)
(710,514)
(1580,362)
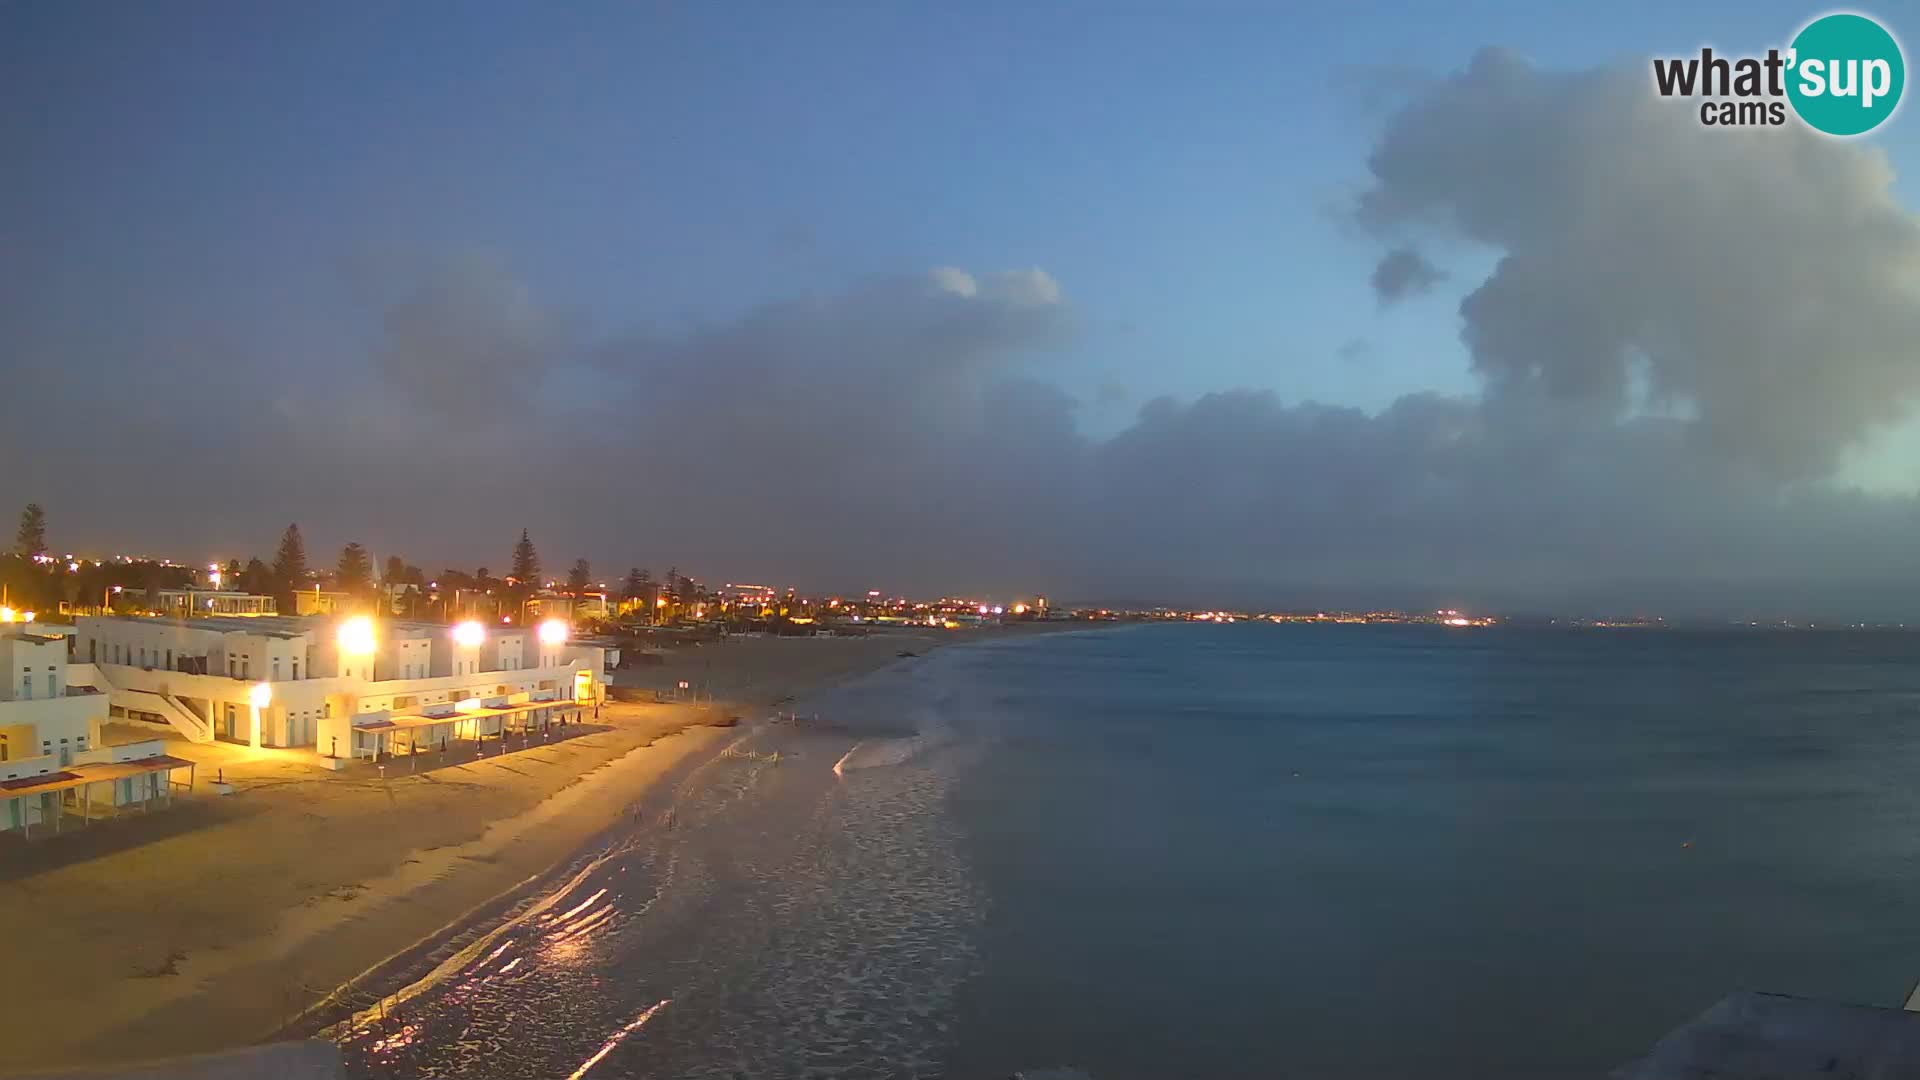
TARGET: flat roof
(299,625)
(281,626)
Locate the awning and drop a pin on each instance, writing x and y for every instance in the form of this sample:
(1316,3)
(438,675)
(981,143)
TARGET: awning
(80,775)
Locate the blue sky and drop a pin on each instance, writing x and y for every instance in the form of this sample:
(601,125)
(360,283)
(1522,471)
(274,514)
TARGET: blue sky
(209,213)
(1175,167)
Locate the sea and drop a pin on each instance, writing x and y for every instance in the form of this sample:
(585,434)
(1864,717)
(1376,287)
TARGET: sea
(1246,850)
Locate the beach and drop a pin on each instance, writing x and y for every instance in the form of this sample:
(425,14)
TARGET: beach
(226,920)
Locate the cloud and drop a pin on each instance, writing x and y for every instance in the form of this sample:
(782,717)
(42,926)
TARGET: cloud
(469,337)
(1681,333)
(1404,272)
(1765,277)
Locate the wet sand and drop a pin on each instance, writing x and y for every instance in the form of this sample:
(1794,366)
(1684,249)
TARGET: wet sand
(218,922)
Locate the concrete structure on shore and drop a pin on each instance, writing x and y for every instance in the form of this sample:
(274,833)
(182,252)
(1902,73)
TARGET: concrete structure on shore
(342,687)
(51,754)
(45,711)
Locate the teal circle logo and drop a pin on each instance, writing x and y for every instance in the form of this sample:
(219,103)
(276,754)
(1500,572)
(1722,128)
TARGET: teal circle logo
(1845,74)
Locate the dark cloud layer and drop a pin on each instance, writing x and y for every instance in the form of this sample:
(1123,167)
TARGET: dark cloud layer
(1681,334)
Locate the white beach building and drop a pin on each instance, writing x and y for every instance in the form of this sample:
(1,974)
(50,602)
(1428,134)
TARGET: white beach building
(52,758)
(343,687)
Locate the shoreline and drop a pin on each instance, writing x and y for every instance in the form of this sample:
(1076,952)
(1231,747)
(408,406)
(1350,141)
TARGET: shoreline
(207,972)
(421,967)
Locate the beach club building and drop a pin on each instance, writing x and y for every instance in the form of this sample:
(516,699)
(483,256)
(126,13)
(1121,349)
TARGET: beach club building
(52,759)
(343,687)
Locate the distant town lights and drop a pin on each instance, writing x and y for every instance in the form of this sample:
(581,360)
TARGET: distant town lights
(553,632)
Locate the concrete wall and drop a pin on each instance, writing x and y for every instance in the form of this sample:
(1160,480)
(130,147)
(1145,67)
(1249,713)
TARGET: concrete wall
(155,643)
(32,667)
(70,723)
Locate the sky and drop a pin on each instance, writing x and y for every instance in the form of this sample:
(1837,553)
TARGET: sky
(1136,302)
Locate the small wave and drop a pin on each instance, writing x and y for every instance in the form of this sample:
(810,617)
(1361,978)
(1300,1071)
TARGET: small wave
(880,753)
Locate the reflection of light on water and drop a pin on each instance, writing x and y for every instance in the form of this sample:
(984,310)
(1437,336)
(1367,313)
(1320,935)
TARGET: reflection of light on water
(619,1036)
(397,1040)
(588,923)
(578,908)
(495,953)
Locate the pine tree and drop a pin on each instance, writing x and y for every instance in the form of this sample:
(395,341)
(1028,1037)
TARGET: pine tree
(290,563)
(289,569)
(355,569)
(580,576)
(31,540)
(635,584)
(526,562)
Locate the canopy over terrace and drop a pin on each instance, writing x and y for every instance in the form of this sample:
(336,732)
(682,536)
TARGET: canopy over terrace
(25,802)
(404,734)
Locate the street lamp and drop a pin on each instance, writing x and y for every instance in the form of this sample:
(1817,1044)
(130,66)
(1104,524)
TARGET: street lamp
(553,632)
(468,635)
(356,637)
(258,697)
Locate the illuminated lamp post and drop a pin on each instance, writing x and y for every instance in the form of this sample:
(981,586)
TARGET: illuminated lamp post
(356,641)
(259,697)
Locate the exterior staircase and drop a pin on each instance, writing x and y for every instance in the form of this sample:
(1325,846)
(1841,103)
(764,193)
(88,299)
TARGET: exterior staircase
(177,714)
(172,710)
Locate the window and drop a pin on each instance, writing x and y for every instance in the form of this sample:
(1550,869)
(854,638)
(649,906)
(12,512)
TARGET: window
(296,669)
(26,687)
(93,651)
(143,656)
(245,663)
(169,659)
(276,669)
(53,685)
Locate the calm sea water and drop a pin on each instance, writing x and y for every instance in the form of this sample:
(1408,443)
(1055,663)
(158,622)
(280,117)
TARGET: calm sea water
(1241,850)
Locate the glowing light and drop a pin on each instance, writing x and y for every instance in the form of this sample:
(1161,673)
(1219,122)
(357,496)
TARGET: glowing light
(1019,609)
(6,614)
(214,579)
(469,634)
(659,601)
(260,696)
(1457,621)
(26,616)
(356,636)
(471,704)
(553,632)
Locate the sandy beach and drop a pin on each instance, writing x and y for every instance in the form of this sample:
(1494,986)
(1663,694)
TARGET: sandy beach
(218,922)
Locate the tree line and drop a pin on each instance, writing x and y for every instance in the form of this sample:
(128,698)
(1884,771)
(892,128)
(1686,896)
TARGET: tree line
(31,578)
